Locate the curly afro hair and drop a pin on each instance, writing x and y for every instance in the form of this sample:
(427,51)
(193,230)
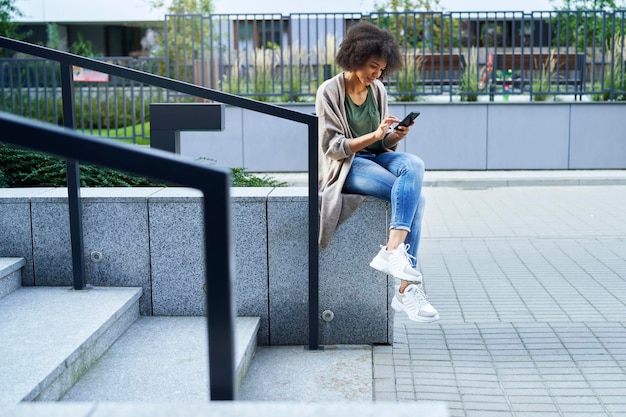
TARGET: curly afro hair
(365,40)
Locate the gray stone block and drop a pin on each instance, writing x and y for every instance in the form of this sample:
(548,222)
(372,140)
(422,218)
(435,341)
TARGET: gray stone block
(15,227)
(127,371)
(249,225)
(52,256)
(56,334)
(177,246)
(10,275)
(288,262)
(153,238)
(116,239)
(115,232)
(355,293)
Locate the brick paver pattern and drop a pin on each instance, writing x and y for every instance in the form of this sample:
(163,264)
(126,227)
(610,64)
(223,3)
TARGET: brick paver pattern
(530,284)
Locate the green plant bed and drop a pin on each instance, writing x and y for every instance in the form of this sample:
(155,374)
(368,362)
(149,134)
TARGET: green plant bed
(24,168)
(241,178)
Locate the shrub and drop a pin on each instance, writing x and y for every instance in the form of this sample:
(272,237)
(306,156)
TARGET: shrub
(543,74)
(470,77)
(614,72)
(24,168)
(241,178)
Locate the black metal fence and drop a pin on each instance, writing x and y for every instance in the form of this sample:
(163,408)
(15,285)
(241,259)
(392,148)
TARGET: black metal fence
(106,105)
(456,56)
(460,55)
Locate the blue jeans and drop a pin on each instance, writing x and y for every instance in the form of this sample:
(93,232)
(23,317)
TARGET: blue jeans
(396,177)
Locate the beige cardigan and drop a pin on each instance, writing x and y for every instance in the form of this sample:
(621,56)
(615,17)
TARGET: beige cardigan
(335,156)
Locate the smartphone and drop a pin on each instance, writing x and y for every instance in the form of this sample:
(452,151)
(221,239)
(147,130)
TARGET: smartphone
(408,119)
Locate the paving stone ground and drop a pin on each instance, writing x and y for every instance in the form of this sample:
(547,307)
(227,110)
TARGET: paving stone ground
(530,284)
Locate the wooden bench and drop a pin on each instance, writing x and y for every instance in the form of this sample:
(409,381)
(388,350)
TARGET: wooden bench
(440,69)
(428,73)
(556,67)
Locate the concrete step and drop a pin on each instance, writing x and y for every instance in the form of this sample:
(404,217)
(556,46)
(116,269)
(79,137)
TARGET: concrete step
(164,359)
(51,335)
(230,409)
(335,373)
(10,275)
(161,359)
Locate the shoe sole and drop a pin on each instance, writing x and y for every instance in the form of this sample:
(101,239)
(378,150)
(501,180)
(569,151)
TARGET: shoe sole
(382,267)
(399,307)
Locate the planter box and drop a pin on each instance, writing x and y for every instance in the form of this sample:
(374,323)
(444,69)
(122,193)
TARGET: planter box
(447,136)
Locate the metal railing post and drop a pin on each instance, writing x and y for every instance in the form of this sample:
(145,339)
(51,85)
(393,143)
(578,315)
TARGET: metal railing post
(73,182)
(313,240)
(220,304)
(327,73)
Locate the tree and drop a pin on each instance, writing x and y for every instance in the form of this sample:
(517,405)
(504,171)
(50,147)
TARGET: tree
(409,6)
(203,7)
(8,27)
(183,26)
(585,23)
(606,5)
(82,47)
(417,23)
(8,12)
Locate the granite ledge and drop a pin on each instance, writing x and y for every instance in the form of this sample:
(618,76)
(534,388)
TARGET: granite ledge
(21,195)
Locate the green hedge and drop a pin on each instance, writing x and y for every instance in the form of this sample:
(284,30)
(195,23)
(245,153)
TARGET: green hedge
(24,168)
(112,111)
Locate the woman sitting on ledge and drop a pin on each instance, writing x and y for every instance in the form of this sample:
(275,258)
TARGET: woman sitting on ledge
(358,158)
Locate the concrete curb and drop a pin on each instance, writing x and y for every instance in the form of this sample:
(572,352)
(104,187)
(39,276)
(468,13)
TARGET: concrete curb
(488,179)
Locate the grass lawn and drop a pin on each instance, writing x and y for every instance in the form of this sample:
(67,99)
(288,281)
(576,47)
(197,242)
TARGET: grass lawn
(125,134)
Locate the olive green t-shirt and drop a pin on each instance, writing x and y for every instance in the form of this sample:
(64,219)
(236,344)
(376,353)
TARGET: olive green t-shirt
(364,119)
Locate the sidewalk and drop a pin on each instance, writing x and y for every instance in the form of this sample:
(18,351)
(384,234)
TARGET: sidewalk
(492,178)
(530,284)
(528,272)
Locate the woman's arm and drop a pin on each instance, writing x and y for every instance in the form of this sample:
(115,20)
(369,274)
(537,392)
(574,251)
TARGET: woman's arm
(335,140)
(396,135)
(356,144)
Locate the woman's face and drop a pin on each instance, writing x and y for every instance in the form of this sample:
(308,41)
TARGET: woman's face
(371,70)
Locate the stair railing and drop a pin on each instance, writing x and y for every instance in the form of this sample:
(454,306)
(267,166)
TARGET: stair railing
(213,182)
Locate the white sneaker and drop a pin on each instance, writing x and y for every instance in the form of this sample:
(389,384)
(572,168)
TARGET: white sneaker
(414,302)
(396,262)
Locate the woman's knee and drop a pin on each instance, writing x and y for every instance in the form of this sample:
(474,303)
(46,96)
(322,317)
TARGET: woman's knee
(409,162)
(413,167)
(415,163)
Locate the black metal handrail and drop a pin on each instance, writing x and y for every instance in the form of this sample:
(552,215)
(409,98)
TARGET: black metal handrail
(74,147)
(214,184)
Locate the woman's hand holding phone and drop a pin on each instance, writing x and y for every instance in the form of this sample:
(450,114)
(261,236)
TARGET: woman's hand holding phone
(406,122)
